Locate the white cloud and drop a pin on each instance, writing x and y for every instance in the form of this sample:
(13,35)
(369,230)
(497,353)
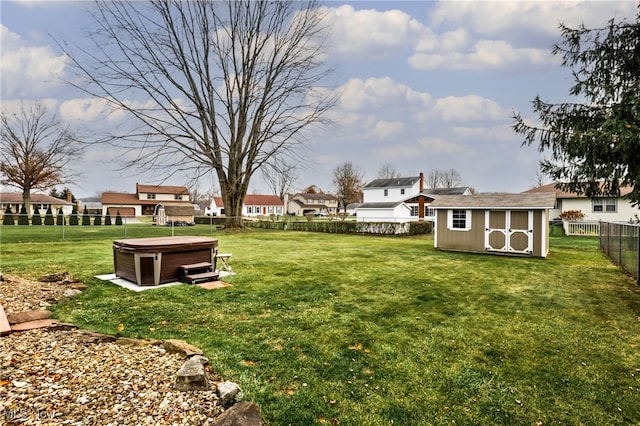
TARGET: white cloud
(464,109)
(358,94)
(370,33)
(384,130)
(28,71)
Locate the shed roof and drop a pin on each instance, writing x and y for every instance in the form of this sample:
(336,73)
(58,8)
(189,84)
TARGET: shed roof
(541,200)
(393,182)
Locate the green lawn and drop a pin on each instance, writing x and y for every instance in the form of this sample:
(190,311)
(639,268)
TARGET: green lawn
(363,330)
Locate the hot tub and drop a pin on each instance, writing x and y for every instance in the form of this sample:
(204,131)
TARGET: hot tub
(153,261)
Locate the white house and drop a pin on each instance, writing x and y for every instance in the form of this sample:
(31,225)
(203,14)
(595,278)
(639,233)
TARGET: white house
(254,205)
(313,203)
(147,199)
(613,209)
(42,201)
(399,199)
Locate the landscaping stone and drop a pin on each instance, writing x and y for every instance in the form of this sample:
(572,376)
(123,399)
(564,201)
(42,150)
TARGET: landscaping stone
(229,393)
(181,347)
(192,375)
(27,316)
(242,414)
(89,337)
(5,328)
(30,325)
(55,277)
(70,292)
(78,286)
(127,341)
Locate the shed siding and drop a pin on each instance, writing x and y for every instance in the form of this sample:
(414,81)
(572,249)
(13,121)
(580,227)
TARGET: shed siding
(471,240)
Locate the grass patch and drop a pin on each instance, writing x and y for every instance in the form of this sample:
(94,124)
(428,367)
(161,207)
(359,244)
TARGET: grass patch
(320,328)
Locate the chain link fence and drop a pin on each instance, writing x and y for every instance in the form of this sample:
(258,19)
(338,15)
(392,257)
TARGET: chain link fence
(621,244)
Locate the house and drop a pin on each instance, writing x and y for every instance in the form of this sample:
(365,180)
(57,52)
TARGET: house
(42,201)
(317,203)
(253,205)
(399,199)
(612,209)
(515,224)
(150,200)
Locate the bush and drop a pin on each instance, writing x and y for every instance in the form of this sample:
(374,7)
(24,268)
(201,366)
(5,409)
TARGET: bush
(73,219)
(60,217)
(572,215)
(118,218)
(36,219)
(23,217)
(420,228)
(107,219)
(86,219)
(8,217)
(97,220)
(48,217)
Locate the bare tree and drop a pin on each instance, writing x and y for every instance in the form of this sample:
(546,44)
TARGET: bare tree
(347,180)
(210,85)
(539,179)
(36,150)
(449,178)
(387,172)
(280,176)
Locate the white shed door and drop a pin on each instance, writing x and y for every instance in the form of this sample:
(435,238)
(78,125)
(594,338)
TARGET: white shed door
(509,231)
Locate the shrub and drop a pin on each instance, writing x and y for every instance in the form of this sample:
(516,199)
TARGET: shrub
(118,218)
(107,219)
(48,217)
(36,219)
(86,219)
(97,220)
(23,217)
(60,217)
(572,215)
(420,228)
(8,217)
(73,219)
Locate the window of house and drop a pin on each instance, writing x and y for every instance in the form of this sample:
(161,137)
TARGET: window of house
(177,197)
(429,212)
(414,210)
(401,191)
(151,196)
(601,205)
(386,192)
(458,219)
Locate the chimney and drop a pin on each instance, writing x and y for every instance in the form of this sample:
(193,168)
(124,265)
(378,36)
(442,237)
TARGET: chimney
(69,196)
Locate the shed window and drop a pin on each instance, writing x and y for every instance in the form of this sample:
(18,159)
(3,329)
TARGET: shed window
(601,205)
(151,196)
(459,220)
(401,191)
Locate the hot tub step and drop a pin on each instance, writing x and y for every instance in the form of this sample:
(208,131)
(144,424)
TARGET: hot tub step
(202,277)
(194,269)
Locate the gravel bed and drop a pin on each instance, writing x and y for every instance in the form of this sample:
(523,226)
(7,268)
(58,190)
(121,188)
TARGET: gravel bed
(53,377)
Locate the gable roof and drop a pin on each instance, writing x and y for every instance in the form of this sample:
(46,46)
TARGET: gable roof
(161,189)
(458,190)
(541,200)
(262,200)
(36,198)
(551,187)
(381,205)
(392,182)
(316,196)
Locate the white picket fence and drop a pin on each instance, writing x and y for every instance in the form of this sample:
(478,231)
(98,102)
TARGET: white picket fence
(586,228)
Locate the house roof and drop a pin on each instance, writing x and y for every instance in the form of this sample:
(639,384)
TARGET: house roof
(382,205)
(161,189)
(551,187)
(459,190)
(541,200)
(392,182)
(179,210)
(317,196)
(36,198)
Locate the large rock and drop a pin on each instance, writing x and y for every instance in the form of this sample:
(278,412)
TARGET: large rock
(229,393)
(242,414)
(181,347)
(27,316)
(192,375)
(89,337)
(56,277)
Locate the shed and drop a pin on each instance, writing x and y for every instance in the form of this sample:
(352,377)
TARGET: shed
(515,224)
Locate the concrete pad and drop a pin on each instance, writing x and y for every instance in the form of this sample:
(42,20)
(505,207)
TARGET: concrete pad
(5,328)
(30,325)
(211,285)
(130,285)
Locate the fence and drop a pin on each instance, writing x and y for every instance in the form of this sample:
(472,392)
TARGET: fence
(621,244)
(581,228)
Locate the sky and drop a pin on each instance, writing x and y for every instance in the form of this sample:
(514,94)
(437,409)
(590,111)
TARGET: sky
(423,86)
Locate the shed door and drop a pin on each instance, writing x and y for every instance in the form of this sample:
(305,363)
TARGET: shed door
(509,231)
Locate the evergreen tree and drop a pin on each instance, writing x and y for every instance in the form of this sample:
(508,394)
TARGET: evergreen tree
(60,217)
(36,219)
(97,220)
(107,219)
(8,217)
(73,219)
(86,219)
(594,143)
(118,218)
(48,217)
(23,217)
